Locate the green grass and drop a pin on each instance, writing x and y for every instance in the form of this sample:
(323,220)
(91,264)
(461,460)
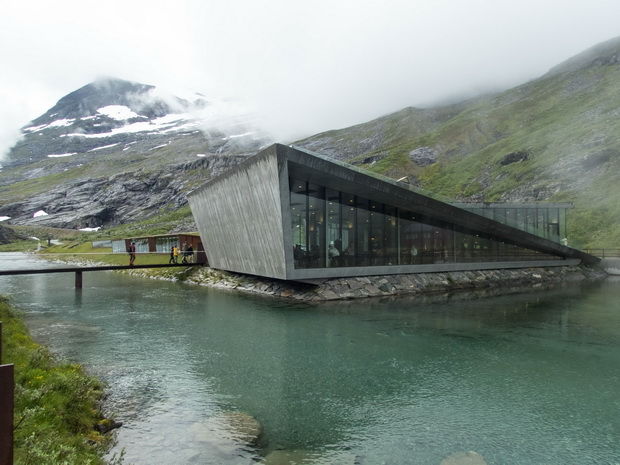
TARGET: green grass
(163,223)
(84,251)
(25,189)
(20,246)
(57,404)
(81,251)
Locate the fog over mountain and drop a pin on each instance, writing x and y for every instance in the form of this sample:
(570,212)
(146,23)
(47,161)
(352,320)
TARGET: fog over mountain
(301,68)
(115,152)
(109,112)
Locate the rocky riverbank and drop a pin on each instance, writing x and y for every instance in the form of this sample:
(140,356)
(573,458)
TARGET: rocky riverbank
(383,286)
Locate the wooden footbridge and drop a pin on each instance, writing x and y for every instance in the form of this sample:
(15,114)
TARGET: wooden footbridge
(78,270)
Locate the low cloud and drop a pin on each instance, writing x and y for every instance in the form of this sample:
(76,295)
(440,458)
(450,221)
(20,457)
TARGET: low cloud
(300,68)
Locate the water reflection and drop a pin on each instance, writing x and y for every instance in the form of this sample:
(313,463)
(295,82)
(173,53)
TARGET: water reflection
(519,378)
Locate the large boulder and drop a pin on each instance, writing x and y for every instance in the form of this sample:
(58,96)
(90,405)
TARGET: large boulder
(243,427)
(7,235)
(288,457)
(515,157)
(464,458)
(226,435)
(423,156)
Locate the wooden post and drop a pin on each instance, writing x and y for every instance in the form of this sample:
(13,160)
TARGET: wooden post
(7,392)
(6,414)
(78,280)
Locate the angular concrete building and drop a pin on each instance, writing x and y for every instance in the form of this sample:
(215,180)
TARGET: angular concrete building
(287,213)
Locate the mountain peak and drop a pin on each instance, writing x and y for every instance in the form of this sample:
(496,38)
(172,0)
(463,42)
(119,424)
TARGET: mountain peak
(141,99)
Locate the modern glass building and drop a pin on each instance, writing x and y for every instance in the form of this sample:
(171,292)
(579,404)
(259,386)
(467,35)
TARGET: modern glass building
(287,213)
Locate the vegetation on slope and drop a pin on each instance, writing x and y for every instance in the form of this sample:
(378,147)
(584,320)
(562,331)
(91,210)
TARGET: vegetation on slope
(554,139)
(57,405)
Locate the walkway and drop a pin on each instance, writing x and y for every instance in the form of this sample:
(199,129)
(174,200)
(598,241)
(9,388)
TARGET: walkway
(79,269)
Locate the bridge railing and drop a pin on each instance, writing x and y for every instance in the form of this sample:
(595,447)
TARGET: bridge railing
(604,253)
(199,257)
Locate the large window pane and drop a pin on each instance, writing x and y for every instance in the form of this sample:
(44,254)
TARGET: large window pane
(316,226)
(331,228)
(348,229)
(362,233)
(334,228)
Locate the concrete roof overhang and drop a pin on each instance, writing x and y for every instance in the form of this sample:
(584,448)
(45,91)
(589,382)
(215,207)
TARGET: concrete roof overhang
(336,175)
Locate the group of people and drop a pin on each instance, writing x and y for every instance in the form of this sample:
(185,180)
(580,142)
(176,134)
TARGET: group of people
(187,253)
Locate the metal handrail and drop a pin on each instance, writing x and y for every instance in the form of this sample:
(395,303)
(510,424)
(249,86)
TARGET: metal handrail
(604,253)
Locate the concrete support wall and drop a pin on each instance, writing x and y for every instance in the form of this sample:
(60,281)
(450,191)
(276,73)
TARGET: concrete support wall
(239,217)
(310,274)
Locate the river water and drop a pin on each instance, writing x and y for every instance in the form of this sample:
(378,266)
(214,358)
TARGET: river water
(527,378)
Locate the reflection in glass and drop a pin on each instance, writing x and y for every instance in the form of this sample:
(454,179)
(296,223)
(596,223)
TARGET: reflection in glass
(332,228)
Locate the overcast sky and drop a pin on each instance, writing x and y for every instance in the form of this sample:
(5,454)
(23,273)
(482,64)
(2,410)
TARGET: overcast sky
(305,66)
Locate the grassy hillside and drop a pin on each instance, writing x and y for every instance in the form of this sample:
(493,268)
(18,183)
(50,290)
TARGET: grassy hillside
(553,139)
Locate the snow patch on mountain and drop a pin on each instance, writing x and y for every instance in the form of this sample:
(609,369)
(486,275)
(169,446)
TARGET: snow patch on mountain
(104,147)
(113,108)
(160,146)
(118,112)
(235,136)
(162,125)
(61,155)
(54,124)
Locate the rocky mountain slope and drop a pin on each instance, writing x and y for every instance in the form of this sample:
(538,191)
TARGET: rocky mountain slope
(116,152)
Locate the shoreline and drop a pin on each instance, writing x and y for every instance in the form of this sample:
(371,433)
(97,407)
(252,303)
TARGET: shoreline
(361,287)
(383,285)
(58,405)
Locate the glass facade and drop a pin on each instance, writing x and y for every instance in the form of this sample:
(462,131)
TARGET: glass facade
(332,228)
(544,220)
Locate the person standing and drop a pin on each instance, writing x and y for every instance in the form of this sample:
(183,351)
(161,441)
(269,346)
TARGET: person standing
(132,253)
(184,253)
(334,255)
(190,254)
(175,254)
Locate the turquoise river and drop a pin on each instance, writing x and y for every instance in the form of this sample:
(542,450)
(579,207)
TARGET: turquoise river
(526,378)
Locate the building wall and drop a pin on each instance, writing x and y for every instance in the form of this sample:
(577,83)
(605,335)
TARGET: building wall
(250,221)
(239,217)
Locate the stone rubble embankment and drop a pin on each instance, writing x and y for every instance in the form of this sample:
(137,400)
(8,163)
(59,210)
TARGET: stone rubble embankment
(387,285)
